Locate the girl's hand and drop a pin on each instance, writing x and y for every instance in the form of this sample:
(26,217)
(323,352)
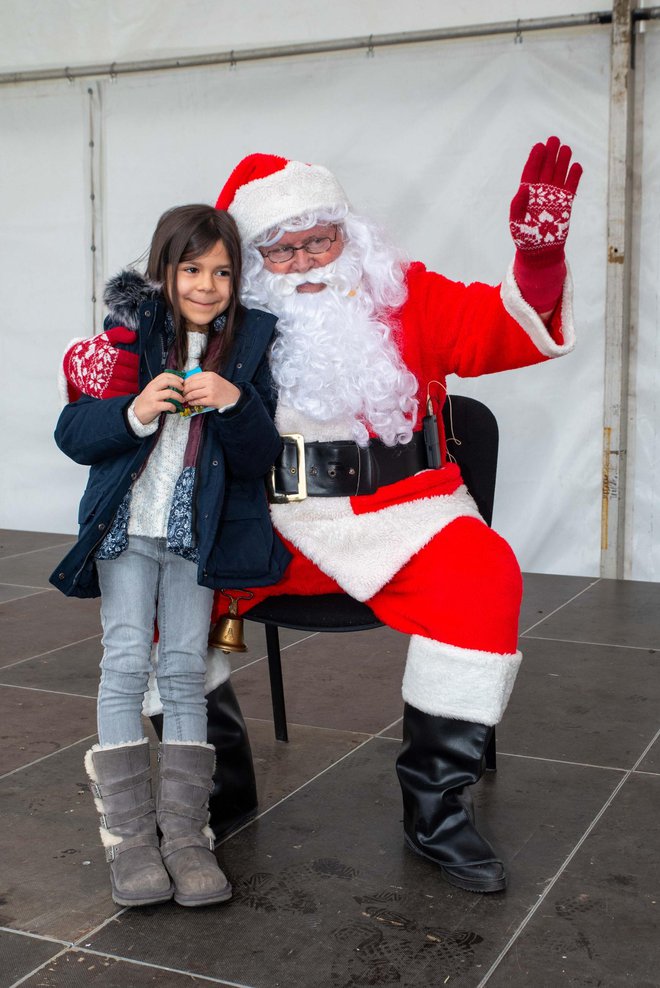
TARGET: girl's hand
(163,394)
(209,389)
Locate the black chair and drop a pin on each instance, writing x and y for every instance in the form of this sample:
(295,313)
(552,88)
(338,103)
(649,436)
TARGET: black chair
(472,441)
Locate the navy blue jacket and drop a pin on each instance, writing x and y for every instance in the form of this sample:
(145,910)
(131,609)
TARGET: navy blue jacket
(237,545)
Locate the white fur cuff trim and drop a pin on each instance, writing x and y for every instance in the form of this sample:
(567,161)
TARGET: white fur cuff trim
(528,318)
(108,839)
(460,683)
(62,385)
(363,552)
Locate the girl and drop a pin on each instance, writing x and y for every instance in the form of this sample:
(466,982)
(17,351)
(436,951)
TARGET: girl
(175,506)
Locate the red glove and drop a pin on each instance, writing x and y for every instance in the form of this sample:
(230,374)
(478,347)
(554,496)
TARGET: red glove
(538,220)
(97,368)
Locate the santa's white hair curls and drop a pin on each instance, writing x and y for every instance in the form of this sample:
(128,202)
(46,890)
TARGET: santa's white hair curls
(334,358)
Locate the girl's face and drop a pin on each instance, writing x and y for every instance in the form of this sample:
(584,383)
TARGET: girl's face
(203,286)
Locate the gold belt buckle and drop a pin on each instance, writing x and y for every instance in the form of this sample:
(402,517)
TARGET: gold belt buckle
(281,497)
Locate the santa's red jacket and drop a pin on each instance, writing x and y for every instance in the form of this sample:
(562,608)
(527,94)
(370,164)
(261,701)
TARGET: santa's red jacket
(443,327)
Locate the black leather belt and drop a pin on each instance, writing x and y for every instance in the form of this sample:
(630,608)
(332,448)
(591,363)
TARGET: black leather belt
(342,468)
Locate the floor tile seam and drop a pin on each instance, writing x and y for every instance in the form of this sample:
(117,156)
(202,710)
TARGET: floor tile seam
(552,882)
(283,648)
(51,754)
(561,606)
(643,755)
(44,548)
(381,734)
(158,967)
(100,926)
(51,651)
(294,792)
(37,936)
(564,761)
(312,727)
(40,689)
(40,967)
(25,586)
(604,768)
(583,641)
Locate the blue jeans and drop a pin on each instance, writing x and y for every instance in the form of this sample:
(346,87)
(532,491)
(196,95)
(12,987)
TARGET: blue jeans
(146,581)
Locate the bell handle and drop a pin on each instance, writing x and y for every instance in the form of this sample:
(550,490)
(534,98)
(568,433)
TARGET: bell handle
(234,596)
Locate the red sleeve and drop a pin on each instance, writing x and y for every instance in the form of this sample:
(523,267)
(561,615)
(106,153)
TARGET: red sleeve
(450,328)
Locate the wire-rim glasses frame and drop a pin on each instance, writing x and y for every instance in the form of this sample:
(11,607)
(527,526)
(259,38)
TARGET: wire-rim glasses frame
(282,254)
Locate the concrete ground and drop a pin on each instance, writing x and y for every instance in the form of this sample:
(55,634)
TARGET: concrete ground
(325,893)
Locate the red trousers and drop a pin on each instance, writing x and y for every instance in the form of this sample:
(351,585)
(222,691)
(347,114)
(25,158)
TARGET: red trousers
(463,589)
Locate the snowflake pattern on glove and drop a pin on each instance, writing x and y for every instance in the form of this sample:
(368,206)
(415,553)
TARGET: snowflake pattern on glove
(91,364)
(546,219)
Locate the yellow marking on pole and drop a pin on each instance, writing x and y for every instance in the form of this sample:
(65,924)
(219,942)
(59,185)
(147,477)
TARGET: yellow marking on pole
(605,503)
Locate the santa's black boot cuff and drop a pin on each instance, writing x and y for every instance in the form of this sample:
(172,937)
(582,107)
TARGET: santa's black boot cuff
(439,758)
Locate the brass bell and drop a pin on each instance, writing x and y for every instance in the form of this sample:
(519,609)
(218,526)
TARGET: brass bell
(227,634)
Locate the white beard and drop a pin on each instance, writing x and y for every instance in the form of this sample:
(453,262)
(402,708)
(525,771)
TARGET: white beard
(333,359)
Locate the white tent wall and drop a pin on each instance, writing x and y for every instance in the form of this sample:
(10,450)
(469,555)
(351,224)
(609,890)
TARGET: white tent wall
(44,286)
(48,33)
(429,139)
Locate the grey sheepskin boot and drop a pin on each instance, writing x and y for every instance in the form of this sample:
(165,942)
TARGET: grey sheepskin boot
(120,781)
(186,779)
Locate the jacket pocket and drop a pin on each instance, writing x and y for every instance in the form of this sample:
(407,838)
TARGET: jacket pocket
(243,542)
(243,550)
(89,504)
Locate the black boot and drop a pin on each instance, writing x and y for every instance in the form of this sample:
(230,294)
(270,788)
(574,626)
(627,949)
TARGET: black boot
(233,799)
(438,759)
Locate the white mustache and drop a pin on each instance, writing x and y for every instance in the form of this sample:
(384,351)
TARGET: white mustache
(286,284)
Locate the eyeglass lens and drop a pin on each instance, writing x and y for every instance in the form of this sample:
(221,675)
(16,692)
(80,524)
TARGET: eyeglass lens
(315,245)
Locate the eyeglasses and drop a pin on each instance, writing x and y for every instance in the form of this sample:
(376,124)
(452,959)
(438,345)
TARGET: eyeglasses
(315,245)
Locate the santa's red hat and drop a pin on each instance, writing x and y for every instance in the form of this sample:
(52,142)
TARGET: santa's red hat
(264,191)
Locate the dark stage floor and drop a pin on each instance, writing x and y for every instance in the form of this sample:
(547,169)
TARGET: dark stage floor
(325,892)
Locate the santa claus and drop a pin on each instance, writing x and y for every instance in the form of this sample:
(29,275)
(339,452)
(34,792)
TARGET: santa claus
(364,341)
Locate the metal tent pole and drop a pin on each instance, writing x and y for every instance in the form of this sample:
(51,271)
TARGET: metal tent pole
(369,43)
(617,292)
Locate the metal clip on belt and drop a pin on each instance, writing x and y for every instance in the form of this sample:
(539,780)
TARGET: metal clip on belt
(341,468)
(298,472)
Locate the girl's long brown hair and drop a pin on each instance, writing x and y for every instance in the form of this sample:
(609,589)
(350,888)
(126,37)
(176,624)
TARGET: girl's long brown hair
(182,234)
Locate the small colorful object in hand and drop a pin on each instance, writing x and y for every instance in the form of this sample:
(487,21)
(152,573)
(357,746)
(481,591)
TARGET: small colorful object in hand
(185,410)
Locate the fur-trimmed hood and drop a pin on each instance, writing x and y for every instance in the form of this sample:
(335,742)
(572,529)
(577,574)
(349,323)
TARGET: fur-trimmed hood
(125,292)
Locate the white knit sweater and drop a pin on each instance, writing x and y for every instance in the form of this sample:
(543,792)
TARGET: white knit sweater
(151,498)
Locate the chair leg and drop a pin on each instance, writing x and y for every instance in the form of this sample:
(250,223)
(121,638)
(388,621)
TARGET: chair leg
(491,754)
(276,682)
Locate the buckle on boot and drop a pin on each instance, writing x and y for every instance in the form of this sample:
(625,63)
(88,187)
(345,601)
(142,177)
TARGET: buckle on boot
(110,854)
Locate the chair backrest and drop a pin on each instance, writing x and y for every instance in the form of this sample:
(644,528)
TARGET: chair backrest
(472,438)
